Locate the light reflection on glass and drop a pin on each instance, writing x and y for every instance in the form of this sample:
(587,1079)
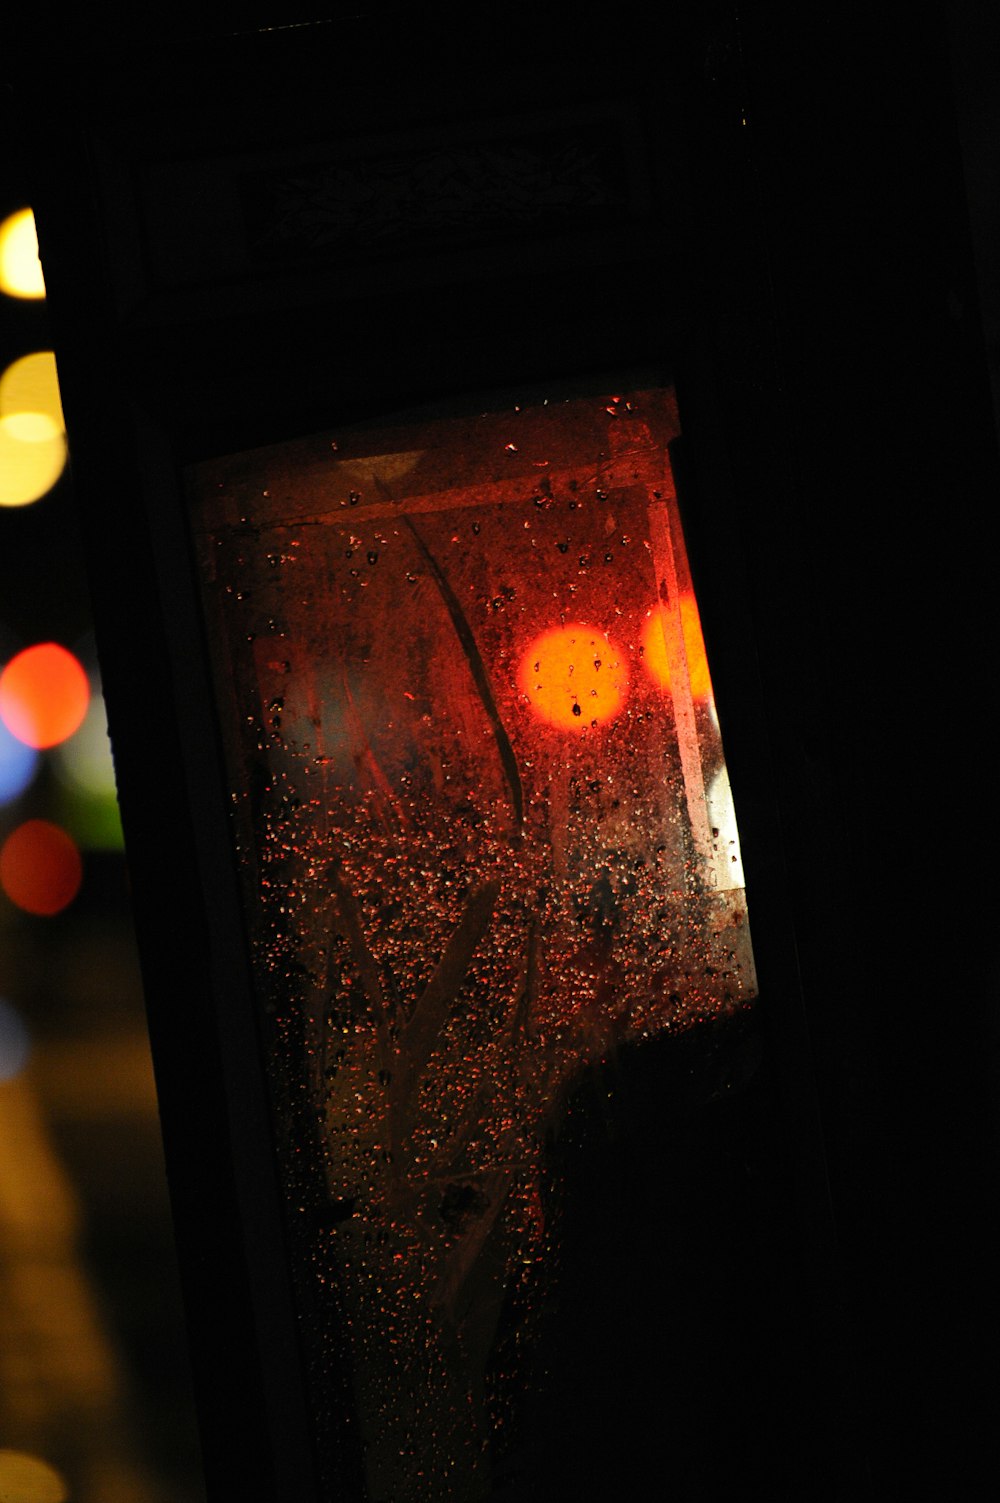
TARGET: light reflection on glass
(725,835)
(574,676)
(654,644)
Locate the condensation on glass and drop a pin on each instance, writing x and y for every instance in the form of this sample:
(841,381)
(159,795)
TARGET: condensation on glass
(486,837)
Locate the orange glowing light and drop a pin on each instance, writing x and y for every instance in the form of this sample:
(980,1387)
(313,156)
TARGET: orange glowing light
(574,676)
(40,867)
(28,1479)
(44,695)
(654,648)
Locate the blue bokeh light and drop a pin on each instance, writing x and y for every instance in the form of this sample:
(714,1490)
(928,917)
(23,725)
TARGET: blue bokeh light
(17,765)
(15,1045)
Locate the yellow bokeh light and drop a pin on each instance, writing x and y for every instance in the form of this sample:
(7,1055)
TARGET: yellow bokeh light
(31,385)
(32,431)
(27,1479)
(20,268)
(32,456)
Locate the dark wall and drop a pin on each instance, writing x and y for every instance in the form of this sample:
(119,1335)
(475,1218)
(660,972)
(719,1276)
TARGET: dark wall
(886,388)
(853,391)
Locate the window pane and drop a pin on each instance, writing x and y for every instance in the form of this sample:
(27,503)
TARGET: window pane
(486,838)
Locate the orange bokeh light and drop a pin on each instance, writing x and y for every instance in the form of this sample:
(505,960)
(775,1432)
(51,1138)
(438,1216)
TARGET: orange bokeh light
(573,676)
(40,867)
(654,648)
(44,695)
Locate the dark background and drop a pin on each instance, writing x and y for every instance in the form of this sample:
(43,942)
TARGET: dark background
(871,228)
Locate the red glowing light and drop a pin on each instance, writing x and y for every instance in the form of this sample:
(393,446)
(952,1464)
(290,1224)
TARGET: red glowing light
(40,867)
(44,695)
(654,648)
(573,676)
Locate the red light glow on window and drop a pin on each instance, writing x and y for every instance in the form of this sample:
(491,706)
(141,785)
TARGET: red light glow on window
(573,676)
(654,648)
